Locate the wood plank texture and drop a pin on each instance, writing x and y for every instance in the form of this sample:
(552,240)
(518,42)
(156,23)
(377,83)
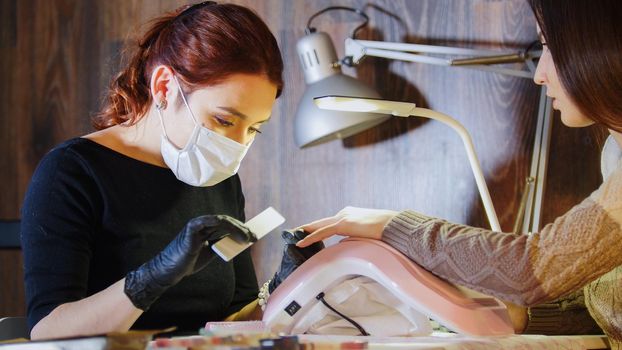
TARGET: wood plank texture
(8,132)
(11,283)
(56,59)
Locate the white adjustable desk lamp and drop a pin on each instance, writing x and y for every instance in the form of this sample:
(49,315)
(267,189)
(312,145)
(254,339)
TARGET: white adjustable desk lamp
(529,216)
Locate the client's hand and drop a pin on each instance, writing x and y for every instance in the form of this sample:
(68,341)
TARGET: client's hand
(293,256)
(350,221)
(188,253)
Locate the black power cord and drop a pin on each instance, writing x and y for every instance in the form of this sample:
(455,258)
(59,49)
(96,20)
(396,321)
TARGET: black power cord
(320,297)
(310,29)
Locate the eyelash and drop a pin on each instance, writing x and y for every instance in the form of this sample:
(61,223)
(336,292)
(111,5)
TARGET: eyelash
(227,123)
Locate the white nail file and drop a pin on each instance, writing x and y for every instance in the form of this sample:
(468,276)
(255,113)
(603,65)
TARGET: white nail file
(266,221)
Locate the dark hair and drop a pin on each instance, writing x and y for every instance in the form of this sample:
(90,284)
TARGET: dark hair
(585,41)
(204,44)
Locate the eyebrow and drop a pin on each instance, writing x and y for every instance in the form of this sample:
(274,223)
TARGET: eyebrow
(239,114)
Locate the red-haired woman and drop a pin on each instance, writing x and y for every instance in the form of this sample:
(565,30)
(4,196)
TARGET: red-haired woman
(102,216)
(581,66)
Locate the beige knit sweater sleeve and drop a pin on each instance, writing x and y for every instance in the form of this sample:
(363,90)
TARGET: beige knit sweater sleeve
(564,256)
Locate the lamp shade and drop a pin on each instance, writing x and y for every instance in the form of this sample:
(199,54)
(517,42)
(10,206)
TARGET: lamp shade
(312,125)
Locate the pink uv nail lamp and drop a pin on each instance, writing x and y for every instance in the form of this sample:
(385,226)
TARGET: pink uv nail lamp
(463,312)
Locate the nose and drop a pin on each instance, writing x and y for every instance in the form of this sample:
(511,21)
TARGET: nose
(539,77)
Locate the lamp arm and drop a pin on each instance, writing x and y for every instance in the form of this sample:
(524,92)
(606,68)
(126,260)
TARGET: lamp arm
(473,161)
(407,47)
(478,59)
(405,56)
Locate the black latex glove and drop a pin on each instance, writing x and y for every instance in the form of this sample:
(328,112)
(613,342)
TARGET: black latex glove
(188,253)
(293,256)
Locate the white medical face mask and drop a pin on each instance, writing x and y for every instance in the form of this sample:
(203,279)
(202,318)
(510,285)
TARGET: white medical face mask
(208,157)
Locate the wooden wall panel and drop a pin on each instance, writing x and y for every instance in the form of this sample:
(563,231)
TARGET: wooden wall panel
(11,283)
(8,132)
(57,57)
(45,100)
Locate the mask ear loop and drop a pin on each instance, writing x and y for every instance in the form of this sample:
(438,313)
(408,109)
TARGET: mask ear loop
(162,105)
(183,97)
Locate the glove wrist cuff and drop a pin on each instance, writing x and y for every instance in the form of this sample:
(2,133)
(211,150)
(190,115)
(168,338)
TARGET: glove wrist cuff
(141,293)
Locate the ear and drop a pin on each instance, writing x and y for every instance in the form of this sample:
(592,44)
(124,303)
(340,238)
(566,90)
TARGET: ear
(163,85)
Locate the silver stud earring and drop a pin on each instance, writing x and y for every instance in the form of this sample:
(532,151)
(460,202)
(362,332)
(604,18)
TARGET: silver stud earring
(162,105)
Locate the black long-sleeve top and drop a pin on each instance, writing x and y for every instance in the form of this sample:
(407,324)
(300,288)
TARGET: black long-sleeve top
(91,215)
